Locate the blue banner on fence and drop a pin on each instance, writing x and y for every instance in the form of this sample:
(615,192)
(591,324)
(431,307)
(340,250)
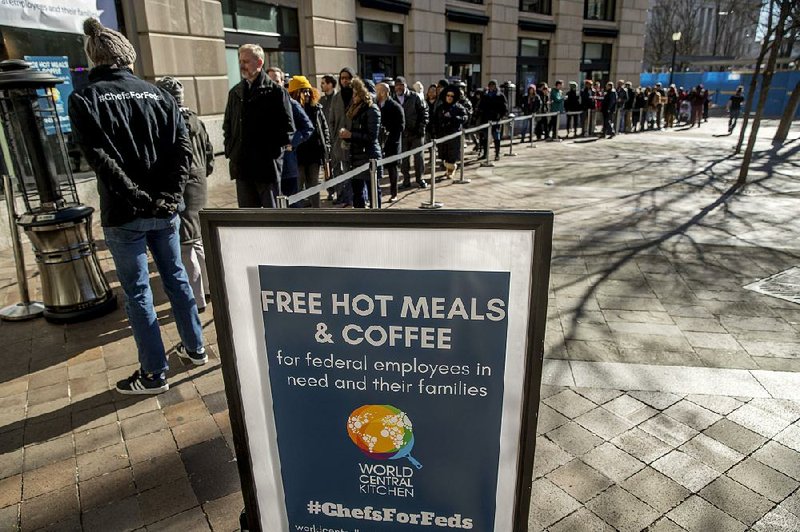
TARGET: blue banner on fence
(59,67)
(387,391)
(721,85)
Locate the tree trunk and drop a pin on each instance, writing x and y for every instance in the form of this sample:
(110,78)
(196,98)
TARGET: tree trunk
(762,97)
(748,106)
(788,115)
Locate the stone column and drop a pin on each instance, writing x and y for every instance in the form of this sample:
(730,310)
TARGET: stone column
(500,44)
(426,42)
(184,39)
(629,48)
(566,46)
(330,35)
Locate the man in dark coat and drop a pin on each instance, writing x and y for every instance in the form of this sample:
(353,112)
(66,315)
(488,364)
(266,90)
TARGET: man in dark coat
(134,137)
(492,108)
(608,108)
(416,114)
(258,127)
(393,122)
(587,104)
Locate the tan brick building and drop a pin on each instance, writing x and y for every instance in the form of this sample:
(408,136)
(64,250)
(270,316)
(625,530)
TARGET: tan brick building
(475,40)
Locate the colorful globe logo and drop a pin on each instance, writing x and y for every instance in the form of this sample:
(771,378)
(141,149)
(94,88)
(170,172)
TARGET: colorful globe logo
(382,432)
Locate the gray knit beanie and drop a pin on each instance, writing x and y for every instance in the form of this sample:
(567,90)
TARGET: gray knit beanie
(172,86)
(106,46)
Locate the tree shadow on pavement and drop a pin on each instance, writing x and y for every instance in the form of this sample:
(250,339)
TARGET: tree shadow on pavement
(650,212)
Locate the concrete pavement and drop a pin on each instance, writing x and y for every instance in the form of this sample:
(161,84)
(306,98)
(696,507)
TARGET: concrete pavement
(670,393)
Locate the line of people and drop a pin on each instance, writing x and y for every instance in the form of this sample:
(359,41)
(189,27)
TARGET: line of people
(333,131)
(623,109)
(152,155)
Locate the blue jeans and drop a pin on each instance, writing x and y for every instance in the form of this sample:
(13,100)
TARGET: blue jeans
(128,244)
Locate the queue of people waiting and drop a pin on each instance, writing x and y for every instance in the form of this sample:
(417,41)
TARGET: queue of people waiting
(623,109)
(343,125)
(152,155)
(350,121)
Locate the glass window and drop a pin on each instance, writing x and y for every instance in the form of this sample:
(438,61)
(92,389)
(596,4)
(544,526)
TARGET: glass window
(596,51)
(598,9)
(289,25)
(289,62)
(543,7)
(533,48)
(227,15)
(232,63)
(372,31)
(464,43)
(255,16)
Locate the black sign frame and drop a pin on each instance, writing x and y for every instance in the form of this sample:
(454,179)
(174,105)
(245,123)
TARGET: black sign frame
(539,222)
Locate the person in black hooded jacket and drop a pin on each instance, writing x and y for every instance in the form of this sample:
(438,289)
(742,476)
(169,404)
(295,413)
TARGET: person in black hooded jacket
(493,107)
(134,137)
(450,117)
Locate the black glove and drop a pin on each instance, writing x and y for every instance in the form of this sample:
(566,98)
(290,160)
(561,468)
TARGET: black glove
(164,208)
(142,202)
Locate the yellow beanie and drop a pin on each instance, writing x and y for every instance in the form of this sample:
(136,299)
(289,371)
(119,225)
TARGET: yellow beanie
(298,82)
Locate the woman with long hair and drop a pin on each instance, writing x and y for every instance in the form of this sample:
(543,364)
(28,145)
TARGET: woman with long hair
(450,118)
(365,118)
(430,95)
(314,152)
(531,103)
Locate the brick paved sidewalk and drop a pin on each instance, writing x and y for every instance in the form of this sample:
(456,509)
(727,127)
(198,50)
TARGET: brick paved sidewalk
(649,260)
(608,459)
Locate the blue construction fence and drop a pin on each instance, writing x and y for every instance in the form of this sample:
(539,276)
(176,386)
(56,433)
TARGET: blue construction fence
(721,85)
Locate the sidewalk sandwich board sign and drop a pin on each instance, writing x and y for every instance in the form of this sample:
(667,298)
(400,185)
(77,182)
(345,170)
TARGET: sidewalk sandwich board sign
(382,368)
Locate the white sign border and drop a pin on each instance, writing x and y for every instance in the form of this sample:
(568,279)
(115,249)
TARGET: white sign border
(242,249)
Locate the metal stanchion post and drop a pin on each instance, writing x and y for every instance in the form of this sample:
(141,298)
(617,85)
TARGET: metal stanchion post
(432,204)
(533,126)
(511,134)
(373,184)
(488,161)
(558,126)
(25,309)
(462,180)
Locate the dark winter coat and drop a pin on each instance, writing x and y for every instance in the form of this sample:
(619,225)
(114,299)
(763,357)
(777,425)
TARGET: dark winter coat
(304,130)
(630,98)
(134,137)
(449,119)
(530,104)
(416,114)
(393,122)
(364,143)
(317,148)
(195,192)
(493,106)
(573,101)
(587,99)
(609,104)
(258,124)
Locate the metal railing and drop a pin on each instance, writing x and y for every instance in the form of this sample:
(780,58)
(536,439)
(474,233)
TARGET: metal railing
(430,146)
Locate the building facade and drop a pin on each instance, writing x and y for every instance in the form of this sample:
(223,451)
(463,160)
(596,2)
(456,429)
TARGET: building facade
(523,41)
